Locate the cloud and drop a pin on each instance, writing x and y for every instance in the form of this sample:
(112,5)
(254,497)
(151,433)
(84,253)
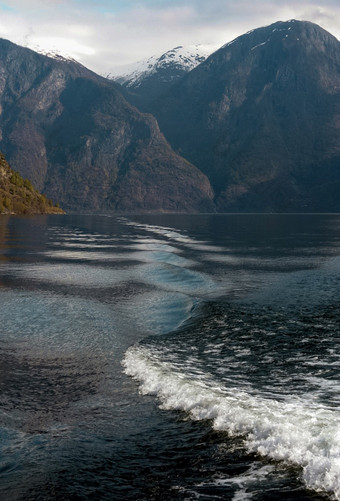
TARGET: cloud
(102,34)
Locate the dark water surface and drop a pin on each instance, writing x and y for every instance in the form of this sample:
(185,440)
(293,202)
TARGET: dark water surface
(170,357)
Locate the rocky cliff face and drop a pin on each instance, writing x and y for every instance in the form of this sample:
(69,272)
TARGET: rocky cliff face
(75,137)
(261,117)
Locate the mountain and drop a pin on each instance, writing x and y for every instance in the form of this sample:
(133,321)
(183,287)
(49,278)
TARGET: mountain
(254,127)
(72,133)
(261,118)
(18,196)
(148,79)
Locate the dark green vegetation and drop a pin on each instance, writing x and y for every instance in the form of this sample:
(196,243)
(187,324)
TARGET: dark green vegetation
(18,196)
(255,127)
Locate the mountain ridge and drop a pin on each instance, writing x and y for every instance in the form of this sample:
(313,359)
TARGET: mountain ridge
(254,127)
(259,116)
(73,134)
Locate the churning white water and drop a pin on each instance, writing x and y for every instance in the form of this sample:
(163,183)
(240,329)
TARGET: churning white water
(292,430)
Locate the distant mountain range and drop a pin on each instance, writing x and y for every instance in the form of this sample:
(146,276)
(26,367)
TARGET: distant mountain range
(253,127)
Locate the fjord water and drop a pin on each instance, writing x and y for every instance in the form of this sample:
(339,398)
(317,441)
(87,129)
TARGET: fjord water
(170,357)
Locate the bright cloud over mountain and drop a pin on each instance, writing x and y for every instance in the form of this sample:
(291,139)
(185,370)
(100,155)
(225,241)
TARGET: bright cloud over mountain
(107,33)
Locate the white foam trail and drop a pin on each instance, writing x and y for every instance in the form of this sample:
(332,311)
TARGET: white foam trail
(244,483)
(295,431)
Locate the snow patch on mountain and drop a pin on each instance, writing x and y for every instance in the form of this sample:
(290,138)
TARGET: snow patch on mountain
(180,58)
(54,54)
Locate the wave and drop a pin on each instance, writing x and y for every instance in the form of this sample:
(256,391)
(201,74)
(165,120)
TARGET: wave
(294,430)
(168,233)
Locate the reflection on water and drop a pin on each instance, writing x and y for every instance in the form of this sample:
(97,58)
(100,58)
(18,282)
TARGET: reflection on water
(4,247)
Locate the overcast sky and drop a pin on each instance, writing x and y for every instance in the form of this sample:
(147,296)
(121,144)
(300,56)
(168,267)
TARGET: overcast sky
(104,34)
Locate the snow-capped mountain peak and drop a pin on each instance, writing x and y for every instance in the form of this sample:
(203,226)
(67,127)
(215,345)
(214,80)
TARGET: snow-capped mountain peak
(174,62)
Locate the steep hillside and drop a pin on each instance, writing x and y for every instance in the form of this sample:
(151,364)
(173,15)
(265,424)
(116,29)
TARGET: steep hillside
(261,118)
(77,139)
(18,196)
